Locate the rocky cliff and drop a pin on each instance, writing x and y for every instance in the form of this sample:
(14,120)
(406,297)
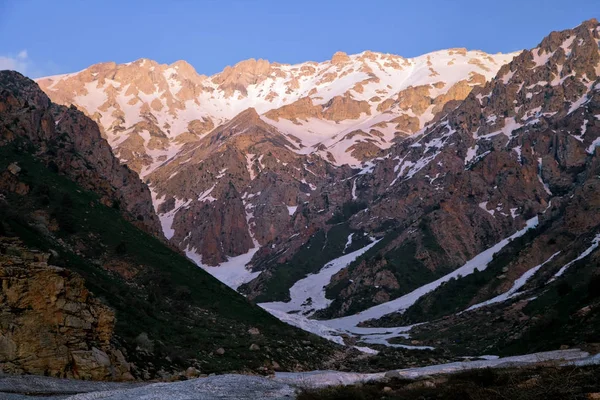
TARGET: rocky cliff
(70,143)
(512,148)
(88,291)
(280,132)
(50,324)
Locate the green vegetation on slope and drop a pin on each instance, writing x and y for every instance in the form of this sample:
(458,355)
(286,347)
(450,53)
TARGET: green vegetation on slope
(457,294)
(321,248)
(156,292)
(409,272)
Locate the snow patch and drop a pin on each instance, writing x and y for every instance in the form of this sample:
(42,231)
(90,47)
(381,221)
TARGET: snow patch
(232,272)
(400,304)
(308,295)
(595,243)
(292,210)
(517,285)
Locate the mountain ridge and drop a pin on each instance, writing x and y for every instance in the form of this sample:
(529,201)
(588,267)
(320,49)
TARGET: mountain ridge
(422,174)
(343,110)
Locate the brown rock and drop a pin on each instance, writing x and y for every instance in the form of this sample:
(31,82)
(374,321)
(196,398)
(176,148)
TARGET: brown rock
(340,58)
(61,330)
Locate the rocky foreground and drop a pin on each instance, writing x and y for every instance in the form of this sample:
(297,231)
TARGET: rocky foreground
(280,386)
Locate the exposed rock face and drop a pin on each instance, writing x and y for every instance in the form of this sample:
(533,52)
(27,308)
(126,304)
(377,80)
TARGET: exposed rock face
(50,324)
(235,189)
(242,75)
(145,109)
(340,58)
(439,198)
(337,109)
(224,177)
(84,156)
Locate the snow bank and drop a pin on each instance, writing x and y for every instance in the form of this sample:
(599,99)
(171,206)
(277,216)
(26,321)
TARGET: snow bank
(231,387)
(308,294)
(480,262)
(595,243)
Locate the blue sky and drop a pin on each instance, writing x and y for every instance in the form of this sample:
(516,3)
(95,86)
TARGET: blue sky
(44,37)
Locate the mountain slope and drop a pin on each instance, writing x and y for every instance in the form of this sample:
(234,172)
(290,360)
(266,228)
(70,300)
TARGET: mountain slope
(520,151)
(147,110)
(71,144)
(153,312)
(466,188)
(170,125)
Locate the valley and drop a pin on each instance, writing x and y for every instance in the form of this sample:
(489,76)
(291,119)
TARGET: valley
(367,218)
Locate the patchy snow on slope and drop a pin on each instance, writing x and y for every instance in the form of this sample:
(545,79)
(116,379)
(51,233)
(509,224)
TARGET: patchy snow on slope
(471,153)
(381,336)
(518,150)
(539,175)
(94,98)
(587,252)
(583,130)
(348,241)
(205,196)
(400,304)
(483,206)
(308,295)
(250,165)
(232,272)
(515,289)
(166,219)
(540,57)
(592,147)
(309,325)
(292,210)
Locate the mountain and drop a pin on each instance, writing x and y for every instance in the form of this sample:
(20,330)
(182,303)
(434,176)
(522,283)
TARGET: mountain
(90,288)
(148,111)
(232,157)
(484,224)
(71,144)
(360,196)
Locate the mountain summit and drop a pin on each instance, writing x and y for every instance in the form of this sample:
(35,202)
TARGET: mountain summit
(167,123)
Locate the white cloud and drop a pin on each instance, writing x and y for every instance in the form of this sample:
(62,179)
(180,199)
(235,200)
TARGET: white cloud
(20,63)
(28,67)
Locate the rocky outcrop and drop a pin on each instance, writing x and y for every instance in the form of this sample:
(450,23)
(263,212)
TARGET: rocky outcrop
(337,109)
(502,156)
(50,324)
(70,143)
(437,199)
(240,76)
(237,188)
